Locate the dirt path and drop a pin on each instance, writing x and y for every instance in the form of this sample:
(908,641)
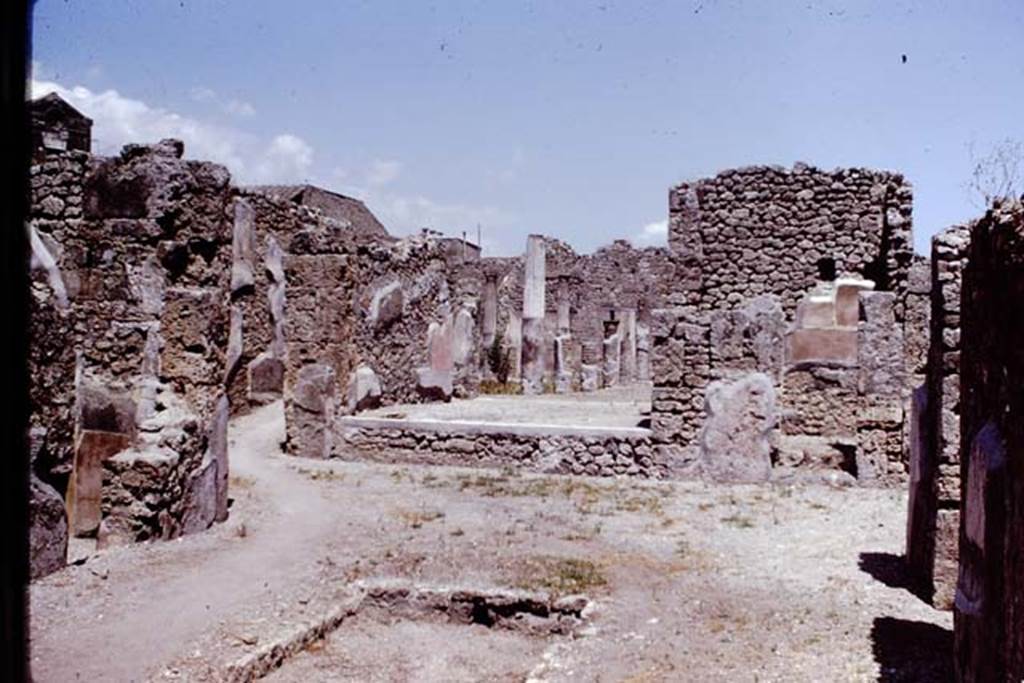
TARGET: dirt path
(131,608)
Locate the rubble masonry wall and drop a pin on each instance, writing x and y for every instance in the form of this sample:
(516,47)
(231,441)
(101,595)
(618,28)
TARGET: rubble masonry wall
(989,605)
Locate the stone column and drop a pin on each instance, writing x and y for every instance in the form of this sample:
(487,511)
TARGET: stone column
(643,353)
(563,342)
(533,316)
(590,365)
(627,362)
(612,351)
(514,335)
(490,305)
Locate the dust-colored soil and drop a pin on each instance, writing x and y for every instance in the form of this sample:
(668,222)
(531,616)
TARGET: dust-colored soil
(369,651)
(690,582)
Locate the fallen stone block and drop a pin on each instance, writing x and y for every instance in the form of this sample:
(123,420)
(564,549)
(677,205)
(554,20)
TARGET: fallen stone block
(364,390)
(310,412)
(266,379)
(434,385)
(314,388)
(48,529)
(735,441)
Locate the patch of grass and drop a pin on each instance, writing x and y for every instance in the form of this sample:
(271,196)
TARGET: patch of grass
(559,575)
(417,518)
(641,502)
(587,496)
(656,672)
(397,475)
(583,534)
(322,475)
(740,521)
(493,387)
(241,482)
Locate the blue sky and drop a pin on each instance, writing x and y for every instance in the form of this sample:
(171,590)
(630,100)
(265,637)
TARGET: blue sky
(566,118)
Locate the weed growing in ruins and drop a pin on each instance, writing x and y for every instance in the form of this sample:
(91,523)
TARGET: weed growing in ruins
(243,483)
(559,575)
(740,521)
(583,534)
(499,359)
(586,496)
(500,388)
(417,518)
(321,475)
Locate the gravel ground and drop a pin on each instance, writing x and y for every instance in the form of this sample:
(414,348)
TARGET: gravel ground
(690,582)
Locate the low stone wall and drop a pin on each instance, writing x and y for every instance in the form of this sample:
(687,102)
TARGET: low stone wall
(989,616)
(594,452)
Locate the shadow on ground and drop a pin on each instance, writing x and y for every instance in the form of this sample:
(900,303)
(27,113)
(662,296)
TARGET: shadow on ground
(912,651)
(892,570)
(888,568)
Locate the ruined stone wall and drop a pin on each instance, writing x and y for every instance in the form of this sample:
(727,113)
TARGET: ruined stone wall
(934,510)
(681,371)
(141,246)
(613,283)
(263,227)
(370,324)
(56,205)
(771,230)
(989,616)
(615,278)
(917,307)
(603,456)
(773,272)
(405,288)
(56,199)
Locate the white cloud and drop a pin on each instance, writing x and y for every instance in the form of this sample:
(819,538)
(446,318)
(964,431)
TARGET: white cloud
(118,120)
(407,214)
(202,94)
(239,108)
(381,173)
(287,156)
(232,106)
(653,234)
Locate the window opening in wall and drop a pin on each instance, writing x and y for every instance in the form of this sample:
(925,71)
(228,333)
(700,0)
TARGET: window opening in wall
(827,268)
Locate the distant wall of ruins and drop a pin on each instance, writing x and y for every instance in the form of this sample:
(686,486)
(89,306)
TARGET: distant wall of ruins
(989,616)
(615,283)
